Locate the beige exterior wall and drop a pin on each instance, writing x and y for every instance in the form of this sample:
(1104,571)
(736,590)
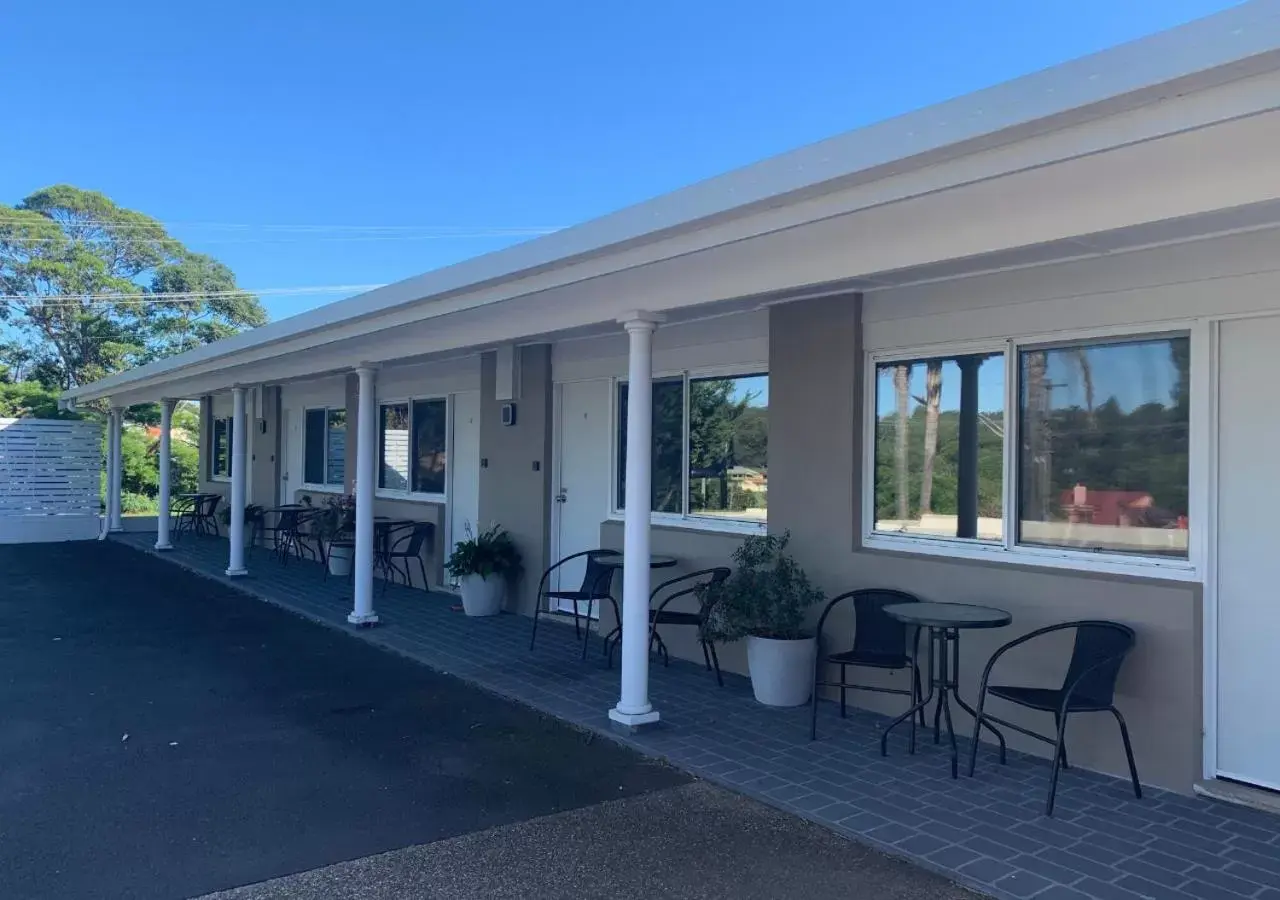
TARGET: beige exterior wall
(515,465)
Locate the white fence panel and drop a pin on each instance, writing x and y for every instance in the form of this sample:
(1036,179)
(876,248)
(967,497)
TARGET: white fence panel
(50,477)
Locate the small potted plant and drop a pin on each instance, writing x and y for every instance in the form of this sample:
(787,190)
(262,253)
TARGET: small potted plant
(252,513)
(334,525)
(483,564)
(766,601)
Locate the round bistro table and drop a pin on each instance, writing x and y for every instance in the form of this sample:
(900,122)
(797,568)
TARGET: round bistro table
(944,621)
(615,564)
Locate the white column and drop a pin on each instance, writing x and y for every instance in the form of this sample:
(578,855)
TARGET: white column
(115,468)
(239,465)
(633,709)
(366,458)
(166,464)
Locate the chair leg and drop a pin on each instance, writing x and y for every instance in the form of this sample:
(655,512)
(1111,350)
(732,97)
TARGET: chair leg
(537,611)
(813,699)
(1064,743)
(715,661)
(977,728)
(843,690)
(706,657)
(937,724)
(1128,752)
(1057,765)
(422,567)
(919,693)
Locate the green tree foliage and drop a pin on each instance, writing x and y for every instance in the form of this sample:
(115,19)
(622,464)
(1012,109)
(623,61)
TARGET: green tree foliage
(63,248)
(30,399)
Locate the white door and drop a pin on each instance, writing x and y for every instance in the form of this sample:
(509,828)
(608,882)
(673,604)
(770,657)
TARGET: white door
(582,475)
(287,439)
(464,467)
(1248,553)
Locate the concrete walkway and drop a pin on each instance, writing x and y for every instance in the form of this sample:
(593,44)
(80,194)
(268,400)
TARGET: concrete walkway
(986,832)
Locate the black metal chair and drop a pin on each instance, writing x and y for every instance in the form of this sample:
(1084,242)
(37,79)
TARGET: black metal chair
(879,642)
(204,518)
(182,511)
(1089,686)
(403,542)
(596,581)
(703,585)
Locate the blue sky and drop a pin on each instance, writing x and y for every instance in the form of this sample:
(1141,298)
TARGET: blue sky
(474,115)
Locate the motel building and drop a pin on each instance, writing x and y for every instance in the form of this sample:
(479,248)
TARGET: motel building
(1078,272)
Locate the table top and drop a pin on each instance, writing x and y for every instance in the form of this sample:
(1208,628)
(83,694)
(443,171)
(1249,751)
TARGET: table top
(948,615)
(656,561)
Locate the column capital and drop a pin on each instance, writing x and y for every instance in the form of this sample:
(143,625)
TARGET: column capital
(640,320)
(170,402)
(369,367)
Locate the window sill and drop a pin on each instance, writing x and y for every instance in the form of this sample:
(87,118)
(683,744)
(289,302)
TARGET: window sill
(410,497)
(322,488)
(220,479)
(1088,563)
(698,523)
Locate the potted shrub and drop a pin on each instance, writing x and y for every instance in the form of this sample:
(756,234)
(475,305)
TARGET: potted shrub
(766,601)
(483,564)
(334,525)
(252,513)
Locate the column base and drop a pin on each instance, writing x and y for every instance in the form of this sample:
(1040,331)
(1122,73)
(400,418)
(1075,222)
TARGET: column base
(116,529)
(236,573)
(165,546)
(363,620)
(631,723)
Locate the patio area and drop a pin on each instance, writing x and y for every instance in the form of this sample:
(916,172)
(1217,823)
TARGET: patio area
(986,832)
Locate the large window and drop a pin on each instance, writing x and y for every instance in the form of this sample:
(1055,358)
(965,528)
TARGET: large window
(1103,446)
(709,447)
(325,444)
(414,440)
(220,448)
(1098,445)
(939,446)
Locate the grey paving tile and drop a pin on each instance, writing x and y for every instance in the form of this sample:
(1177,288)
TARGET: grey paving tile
(1081,864)
(1226,881)
(987,870)
(1058,892)
(1022,884)
(1127,888)
(1050,871)
(953,857)
(1253,873)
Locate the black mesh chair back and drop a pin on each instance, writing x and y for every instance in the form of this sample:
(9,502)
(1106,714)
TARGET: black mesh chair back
(597,577)
(1100,650)
(875,632)
(704,585)
(414,541)
(210,505)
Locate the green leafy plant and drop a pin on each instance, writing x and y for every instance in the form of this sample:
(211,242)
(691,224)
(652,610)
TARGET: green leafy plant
(491,552)
(337,517)
(768,595)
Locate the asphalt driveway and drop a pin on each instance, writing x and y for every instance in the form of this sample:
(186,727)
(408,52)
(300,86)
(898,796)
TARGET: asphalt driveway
(163,735)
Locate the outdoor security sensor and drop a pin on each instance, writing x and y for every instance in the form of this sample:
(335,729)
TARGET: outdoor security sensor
(262,426)
(508,414)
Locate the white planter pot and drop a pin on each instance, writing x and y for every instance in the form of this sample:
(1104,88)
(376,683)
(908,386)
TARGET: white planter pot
(340,560)
(482,595)
(781,671)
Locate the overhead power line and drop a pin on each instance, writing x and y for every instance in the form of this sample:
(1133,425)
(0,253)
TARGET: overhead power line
(111,299)
(301,227)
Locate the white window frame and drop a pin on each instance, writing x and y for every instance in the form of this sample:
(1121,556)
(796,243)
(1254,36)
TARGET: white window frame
(325,487)
(213,445)
(691,521)
(410,494)
(1008,550)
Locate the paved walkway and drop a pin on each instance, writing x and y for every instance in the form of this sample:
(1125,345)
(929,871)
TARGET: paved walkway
(986,832)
